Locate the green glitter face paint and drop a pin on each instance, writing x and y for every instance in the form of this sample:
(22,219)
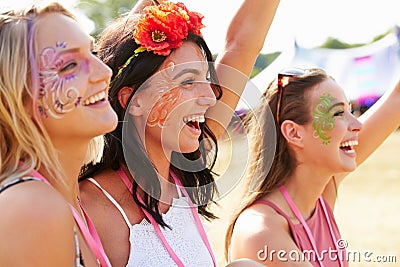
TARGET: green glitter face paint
(324,122)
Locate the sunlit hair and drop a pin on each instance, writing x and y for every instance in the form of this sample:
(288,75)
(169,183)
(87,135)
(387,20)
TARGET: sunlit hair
(116,46)
(94,151)
(24,142)
(262,176)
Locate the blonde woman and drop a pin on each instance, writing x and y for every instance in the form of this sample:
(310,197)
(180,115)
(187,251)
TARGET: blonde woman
(53,92)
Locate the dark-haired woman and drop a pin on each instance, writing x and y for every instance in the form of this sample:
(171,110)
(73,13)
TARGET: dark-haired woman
(155,177)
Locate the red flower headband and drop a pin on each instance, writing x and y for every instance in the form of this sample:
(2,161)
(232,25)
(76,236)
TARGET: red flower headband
(163,27)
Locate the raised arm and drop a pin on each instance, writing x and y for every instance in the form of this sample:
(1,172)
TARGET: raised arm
(244,40)
(381,120)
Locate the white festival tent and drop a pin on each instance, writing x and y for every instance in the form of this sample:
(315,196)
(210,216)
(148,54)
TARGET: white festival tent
(364,73)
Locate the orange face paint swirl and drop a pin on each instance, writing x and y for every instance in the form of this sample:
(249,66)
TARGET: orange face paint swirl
(163,107)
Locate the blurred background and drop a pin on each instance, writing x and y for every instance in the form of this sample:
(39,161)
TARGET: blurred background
(355,41)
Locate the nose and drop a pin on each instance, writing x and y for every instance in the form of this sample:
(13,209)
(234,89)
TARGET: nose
(206,95)
(99,71)
(355,125)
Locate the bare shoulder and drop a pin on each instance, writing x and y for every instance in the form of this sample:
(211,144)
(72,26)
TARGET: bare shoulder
(89,191)
(110,223)
(258,231)
(92,197)
(34,200)
(256,227)
(36,222)
(94,201)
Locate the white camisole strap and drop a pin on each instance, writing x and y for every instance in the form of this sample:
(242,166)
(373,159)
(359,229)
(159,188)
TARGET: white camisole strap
(112,201)
(179,191)
(116,203)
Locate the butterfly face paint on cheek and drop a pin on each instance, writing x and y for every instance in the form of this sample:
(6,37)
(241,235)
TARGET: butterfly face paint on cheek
(168,99)
(323,122)
(55,72)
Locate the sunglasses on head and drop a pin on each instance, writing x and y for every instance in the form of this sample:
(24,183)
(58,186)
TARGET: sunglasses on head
(283,76)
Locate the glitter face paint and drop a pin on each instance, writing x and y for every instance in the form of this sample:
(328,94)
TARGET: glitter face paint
(56,70)
(323,122)
(169,97)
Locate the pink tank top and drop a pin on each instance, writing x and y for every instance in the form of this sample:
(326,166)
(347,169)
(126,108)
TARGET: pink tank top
(321,230)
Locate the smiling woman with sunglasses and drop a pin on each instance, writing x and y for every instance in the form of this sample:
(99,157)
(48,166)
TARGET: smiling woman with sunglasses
(306,140)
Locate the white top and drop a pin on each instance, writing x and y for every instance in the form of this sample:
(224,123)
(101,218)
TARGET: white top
(146,249)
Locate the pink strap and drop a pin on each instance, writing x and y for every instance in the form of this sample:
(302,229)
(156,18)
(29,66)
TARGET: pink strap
(195,216)
(335,242)
(277,209)
(301,219)
(308,231)
(153,222)
(91,237)
(200,228)
(37,175)
(90,234)
(161,236)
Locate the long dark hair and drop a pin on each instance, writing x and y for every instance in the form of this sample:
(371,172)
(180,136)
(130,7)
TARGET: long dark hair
(116,45)
(264,176)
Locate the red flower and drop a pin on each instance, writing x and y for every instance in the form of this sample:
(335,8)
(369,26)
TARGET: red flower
(163,27)
(195,19)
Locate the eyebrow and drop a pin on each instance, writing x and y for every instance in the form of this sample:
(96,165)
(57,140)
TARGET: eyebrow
(337,104)
(72,50)
(77,48)
(194,71)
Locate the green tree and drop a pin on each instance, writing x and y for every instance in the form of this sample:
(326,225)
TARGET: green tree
(102,12)
(262,61)
(338,44)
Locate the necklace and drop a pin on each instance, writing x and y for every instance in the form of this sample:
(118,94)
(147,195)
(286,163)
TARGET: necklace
(297,213)
(156,227)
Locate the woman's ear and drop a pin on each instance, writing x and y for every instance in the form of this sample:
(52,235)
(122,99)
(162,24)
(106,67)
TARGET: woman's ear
(293,133)
(123,95)
(134,104)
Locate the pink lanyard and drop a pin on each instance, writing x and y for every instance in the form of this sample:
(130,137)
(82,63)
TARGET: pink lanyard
(156,227)
(90,234)
(308,231)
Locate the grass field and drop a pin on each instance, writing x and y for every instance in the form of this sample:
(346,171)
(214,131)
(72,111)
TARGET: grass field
(367,210)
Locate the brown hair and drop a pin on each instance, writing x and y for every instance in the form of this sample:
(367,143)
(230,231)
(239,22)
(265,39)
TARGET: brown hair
(116,45)
(271,163)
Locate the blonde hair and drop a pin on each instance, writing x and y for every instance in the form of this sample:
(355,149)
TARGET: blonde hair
(95,150)
(24,142)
